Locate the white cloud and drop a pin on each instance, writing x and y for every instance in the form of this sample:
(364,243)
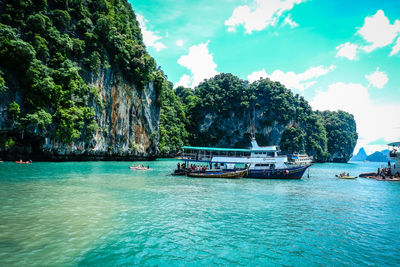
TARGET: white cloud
(377,78)
(290,22)
(396,47)
(261,14)
(184,81)
(255,76)
(347,50)
(378,31)
(149,37)
(179,42)
(291,80)
(374,120)
(200,63)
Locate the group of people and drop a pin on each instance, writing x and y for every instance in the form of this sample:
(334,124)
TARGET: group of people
(192,167)
(140,166)
(24,162)
(387,172)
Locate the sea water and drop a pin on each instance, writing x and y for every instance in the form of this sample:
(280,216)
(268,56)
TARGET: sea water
(104,214)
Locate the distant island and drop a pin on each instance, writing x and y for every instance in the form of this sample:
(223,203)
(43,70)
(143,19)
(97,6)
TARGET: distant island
(377,156)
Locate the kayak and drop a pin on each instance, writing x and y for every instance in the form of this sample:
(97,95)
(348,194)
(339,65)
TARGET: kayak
(23,162)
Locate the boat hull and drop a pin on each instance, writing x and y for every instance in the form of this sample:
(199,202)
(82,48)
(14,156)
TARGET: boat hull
(219,174)
(287,173)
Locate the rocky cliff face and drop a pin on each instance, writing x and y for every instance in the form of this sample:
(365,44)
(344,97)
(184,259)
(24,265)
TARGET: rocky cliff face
(128,126)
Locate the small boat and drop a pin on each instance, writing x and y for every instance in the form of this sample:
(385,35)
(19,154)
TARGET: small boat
(23,162)
(342,176)
(140,168)
(219,174)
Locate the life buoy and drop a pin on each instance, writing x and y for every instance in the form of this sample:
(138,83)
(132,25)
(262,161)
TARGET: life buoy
(287,172)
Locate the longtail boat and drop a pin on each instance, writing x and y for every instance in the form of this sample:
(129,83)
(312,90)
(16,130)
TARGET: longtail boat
(219,174)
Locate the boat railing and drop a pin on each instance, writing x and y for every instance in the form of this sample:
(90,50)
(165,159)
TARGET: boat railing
(394,154)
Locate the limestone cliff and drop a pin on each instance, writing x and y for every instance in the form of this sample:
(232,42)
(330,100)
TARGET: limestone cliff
(76,82)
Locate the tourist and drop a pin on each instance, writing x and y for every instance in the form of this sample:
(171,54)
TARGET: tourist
(178,166)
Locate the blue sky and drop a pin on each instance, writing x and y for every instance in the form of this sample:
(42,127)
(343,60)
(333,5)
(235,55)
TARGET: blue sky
(337,54)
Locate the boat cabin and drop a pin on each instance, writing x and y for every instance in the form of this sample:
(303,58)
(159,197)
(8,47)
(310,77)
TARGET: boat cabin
(394,154)
(267,157)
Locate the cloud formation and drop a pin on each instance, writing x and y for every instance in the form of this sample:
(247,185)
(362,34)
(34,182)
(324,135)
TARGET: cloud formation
(396,47)
(150,39)
(377,78)
(347,50)
(288,21)
(200,63)
(378,31)
(374,120)
(260,14)
(298,81)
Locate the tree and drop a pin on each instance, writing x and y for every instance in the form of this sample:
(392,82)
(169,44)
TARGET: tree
(293,140)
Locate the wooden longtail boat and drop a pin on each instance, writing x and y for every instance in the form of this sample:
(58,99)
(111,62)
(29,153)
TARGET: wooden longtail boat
(219,174)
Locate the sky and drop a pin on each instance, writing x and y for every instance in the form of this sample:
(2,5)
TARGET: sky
(337,54)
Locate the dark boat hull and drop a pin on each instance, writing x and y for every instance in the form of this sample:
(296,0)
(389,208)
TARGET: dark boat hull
(287,173)
(219,174)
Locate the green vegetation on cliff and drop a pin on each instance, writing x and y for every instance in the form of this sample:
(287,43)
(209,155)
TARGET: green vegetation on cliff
(50,50)
(221,111)
(341,132)
(173,134)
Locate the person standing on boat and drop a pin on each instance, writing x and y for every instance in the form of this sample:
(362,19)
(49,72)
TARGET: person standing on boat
(178,166)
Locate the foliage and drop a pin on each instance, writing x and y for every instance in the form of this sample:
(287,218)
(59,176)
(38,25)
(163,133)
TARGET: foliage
(341,134)
(39,118)
(293,140)
(8,143)
(14,111)
(173,134)
(3,86)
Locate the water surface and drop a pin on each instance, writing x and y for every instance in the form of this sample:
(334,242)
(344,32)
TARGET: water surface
(102,213)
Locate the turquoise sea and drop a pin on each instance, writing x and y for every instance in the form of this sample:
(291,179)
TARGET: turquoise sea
(104,214)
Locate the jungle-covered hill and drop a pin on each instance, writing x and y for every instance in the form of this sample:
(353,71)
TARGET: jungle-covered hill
(221,111)
(76,81)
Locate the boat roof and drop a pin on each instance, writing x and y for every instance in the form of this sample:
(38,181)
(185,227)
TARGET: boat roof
(394,143)
(217,149)
(260,149)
